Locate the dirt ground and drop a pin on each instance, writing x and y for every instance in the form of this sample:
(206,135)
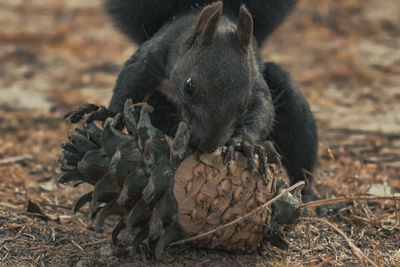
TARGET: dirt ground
(343,54)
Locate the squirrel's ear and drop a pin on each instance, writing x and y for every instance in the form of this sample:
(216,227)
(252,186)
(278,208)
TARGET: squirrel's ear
(207,22)
(245,27)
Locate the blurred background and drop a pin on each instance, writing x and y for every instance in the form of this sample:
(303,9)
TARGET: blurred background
(56,55)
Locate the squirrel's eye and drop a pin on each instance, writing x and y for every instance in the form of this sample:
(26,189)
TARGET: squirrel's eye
(189,86)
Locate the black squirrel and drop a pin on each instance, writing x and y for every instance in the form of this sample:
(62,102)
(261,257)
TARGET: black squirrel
(199,62)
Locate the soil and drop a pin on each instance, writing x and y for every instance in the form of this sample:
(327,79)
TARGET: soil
(343,54)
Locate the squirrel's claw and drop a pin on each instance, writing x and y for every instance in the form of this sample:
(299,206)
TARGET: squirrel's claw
(266,153)
(248,149)
(89,113)
(272,155)
(239,144)
(232,145)
(259,150)
(101,114)
(76,115)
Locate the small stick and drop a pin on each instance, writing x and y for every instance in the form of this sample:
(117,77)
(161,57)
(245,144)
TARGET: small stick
(330,201)
(364,132)
(96,242)
(73,242)
(16,159)
(353,247)
(238,220)
(5,257)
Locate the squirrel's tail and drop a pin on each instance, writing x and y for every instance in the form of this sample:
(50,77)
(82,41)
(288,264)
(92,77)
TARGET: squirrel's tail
(140,19)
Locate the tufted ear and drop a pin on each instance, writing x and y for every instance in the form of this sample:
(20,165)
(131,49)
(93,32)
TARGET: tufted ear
(245,27)
(207,23)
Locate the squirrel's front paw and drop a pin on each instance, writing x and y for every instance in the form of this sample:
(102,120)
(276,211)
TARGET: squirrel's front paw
(266,153)
(89,113)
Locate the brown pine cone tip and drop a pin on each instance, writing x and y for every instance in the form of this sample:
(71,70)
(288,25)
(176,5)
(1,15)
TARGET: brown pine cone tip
(161,186)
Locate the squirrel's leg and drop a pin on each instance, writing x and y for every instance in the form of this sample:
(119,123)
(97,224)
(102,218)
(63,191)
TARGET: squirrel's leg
(138,79)
(253,126)
(294,132)
(142,79)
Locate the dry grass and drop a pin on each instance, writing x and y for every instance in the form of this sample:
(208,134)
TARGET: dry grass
(342,53)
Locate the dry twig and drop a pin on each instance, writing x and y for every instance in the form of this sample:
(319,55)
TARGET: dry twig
(337,200)
(365,132)
(77,245)
(15,159)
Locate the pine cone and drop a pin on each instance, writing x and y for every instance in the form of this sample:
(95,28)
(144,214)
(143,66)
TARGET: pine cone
(165,189)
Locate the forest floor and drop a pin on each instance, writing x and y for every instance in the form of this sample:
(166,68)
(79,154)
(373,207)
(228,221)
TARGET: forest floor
(343,54)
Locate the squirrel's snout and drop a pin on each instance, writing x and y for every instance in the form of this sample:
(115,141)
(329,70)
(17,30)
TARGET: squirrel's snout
(208,139)
(204,145)
(208,145)
(207,148)
(194,140)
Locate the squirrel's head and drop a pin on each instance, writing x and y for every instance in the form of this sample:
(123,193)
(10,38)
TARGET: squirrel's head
(213,74)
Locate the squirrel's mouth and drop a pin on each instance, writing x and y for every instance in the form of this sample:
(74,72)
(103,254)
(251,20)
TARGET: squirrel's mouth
(208,149)
(206,145)
(208,136)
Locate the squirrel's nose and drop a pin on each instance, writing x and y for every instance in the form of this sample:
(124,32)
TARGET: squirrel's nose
(208,147)
(194,140)
(205,146)
(204,142)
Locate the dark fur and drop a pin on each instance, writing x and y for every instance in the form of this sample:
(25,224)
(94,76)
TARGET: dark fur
(236,95)
(294,132)
(141,19)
